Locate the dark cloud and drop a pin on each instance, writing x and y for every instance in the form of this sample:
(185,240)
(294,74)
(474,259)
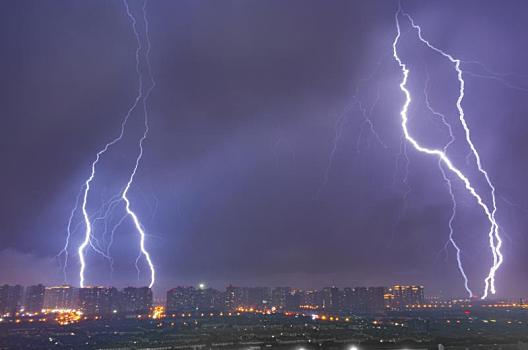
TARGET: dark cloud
(243,121)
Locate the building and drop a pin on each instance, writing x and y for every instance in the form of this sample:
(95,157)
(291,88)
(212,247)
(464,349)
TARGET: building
(195,299)
(180,299)
(278,297)
(10,299)
(61,297)
(236,297)
(407,295)
(208,299)
(99,300)
(258,297)
(310,298)
(294,300)
(364,300)
(332,298)
(34,298)
(136,300)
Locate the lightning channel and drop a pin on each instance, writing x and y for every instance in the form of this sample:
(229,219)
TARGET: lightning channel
(494,237)
(87,184)
(139,227)
(449,185)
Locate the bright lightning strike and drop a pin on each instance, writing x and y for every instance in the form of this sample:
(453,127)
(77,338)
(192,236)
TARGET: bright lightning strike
(89,239)
(451,239)
(133,215)
(495,241)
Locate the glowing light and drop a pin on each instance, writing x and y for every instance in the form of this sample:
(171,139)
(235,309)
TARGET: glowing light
(89,239)
(494,238)
(131,213)
(158,312)
(451,239)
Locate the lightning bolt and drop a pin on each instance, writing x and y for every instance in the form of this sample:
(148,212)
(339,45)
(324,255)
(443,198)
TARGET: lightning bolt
(89,239)
(495,241)
(342,120)
(451,239)
(130,212)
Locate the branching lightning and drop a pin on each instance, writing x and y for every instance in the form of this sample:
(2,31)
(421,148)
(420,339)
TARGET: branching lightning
(494,237)
(89,240)
(133,215)
(451,239)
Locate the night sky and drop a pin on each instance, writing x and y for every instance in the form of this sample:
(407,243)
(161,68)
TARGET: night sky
(260,167)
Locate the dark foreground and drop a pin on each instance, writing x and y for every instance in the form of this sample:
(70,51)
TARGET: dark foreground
(481,329)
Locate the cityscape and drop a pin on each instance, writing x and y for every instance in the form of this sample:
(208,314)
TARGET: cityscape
(199,317)
(264,175)
(15,299)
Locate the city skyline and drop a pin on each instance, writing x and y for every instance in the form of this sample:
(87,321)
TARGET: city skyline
(174,143)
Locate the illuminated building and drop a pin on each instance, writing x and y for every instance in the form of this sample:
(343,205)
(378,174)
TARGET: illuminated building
(180,299)
(10,298)
(98,300)
(136,300)
(61,297)
(34,298)
(311,298)
(236,297)
(407,295)
(192,299)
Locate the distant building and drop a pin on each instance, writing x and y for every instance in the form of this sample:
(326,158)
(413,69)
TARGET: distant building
(407,295)
(236,297)
(364,300)
(310,298)
(194,299)
(208,299)
(332,298)
(61,297)
(99,300)
(278,297)
(258,297)
(180,299)
(293,300)
(10,299)
(34,298)
(135,300)
(376,299)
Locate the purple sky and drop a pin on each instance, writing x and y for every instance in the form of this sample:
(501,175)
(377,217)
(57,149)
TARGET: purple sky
(239,182)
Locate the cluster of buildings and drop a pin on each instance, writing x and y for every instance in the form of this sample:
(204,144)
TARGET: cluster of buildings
(91,300)
(138,300)
(357,300)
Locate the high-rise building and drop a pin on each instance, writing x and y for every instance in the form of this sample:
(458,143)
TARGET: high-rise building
(136,300)
(310,298)
(364,299)
(407,295)
(236,297)
(61,297)
(293,300)
(99,300)
(34,298)
(278,297)
(332,297)
(207,299)
(180,299)
(10,299)
(194,299)
(258,297)
(376,299)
